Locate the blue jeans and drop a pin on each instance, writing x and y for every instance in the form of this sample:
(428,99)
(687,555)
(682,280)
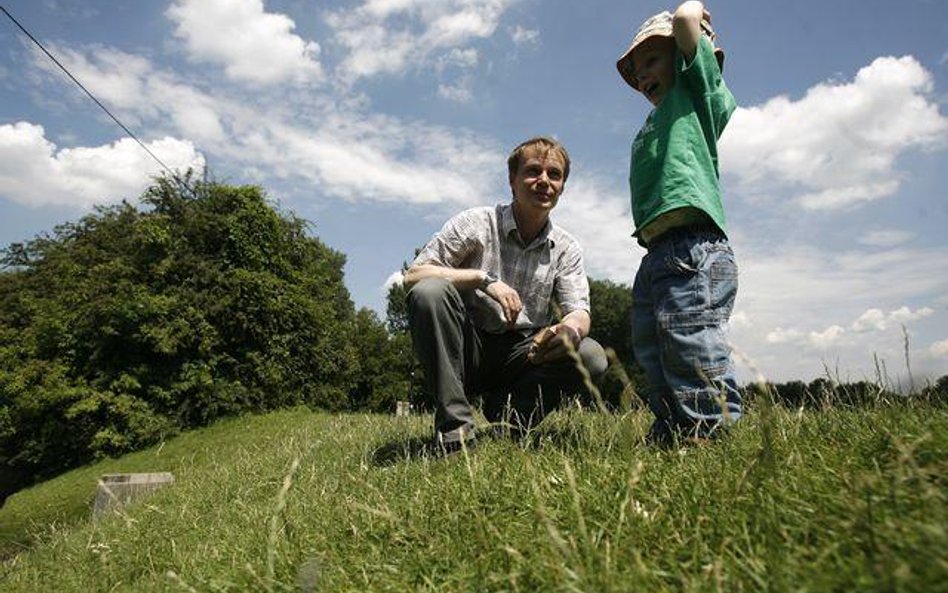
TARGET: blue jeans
(682,298)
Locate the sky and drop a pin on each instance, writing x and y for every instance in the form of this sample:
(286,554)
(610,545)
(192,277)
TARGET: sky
(377,120)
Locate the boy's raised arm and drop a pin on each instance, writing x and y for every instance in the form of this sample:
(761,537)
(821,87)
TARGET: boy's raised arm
(686,27)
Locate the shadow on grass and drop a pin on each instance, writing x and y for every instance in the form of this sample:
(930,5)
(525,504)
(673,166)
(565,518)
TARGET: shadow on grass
(400,450)
(565,435)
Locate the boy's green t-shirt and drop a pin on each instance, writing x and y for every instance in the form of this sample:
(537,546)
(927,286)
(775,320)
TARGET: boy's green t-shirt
(675,155)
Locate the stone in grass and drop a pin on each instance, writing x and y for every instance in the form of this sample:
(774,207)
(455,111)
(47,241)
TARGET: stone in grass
(403,408)
(117,490)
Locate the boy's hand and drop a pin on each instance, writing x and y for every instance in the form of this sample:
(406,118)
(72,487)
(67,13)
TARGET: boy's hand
(687,26)
(706,25)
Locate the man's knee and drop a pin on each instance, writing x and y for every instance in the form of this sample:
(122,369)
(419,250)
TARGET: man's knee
(593,357)
(430,294)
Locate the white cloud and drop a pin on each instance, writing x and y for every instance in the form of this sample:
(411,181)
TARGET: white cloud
(886,238)
(939,349)
(741,319)
(137,92)
(346,152)
(782,336)
(393,279)
(837,146)
(797,295)
(34,172)
(522,36)
(253,45)
(395,36)
(826,338)
(363,157)
(458,58)
(872,319)
(905,315)
(601,221)
(459,92)
(875,319)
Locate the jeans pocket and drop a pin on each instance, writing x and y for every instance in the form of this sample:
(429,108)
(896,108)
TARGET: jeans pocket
(694,347)
(686,257)
(722,281)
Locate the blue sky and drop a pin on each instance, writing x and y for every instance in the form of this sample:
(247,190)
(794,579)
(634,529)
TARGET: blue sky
(378,119)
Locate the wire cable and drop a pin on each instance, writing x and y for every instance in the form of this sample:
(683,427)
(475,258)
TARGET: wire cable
(91,96)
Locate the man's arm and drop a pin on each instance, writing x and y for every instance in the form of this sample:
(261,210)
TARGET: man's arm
(461,278)
(686,27)
(580,321)
(469,279)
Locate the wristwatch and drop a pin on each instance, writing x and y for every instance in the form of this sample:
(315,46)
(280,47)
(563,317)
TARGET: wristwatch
(487,280)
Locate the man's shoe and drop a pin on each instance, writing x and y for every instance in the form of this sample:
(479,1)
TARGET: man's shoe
(452,448)
(448,444)
(504,430)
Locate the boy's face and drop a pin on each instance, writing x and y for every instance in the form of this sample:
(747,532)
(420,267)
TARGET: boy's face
(654,66)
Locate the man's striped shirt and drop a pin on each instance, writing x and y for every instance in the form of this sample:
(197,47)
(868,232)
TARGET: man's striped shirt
(548,270)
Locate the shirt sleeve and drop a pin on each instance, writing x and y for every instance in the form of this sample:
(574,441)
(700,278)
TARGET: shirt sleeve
(454,245)
(571,288)
(713,101)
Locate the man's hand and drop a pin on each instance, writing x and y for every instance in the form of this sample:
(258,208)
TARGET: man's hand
(554,343)
(507,298)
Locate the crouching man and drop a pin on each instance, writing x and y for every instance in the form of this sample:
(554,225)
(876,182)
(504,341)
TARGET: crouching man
(481,305)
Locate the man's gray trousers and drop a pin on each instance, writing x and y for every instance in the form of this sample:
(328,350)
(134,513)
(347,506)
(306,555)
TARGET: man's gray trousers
(461,359)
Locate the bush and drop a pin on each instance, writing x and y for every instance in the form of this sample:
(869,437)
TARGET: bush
(132,324)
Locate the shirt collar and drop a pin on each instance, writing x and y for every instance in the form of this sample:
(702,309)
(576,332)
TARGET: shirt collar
(508,225)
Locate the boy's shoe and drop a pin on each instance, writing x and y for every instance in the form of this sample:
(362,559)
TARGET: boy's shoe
(661,435)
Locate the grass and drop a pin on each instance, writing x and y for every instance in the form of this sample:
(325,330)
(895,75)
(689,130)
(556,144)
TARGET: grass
(837,500)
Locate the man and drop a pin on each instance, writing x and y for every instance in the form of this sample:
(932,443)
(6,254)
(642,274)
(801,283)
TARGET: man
(480,302)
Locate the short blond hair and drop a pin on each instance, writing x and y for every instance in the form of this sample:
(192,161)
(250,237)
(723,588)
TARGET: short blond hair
(542,142)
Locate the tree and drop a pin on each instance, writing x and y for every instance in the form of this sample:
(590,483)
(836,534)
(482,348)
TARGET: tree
(397,322)
(624,383)
(132,324)
(396,309)
(386,365)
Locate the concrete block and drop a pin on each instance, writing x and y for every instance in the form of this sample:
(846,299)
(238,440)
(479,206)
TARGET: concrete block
(402,408)
(114,491)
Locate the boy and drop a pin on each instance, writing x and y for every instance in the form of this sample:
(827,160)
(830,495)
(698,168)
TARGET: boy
(685,286)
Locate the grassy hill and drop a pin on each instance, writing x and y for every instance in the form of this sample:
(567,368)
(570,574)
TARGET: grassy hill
(840,500)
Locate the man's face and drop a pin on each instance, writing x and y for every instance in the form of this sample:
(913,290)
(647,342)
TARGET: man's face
(654,66)
(539,180)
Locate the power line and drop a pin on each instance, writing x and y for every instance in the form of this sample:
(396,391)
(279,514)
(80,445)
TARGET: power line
(91,96)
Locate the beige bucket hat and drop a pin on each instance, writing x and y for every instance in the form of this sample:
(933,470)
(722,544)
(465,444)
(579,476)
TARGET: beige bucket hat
(659,25)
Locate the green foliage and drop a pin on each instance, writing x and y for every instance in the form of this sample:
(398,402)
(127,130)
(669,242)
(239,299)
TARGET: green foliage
(836,500)
(396,320)
(396,309)
(386,368)
(611,313)
(132,324)
(823,393)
